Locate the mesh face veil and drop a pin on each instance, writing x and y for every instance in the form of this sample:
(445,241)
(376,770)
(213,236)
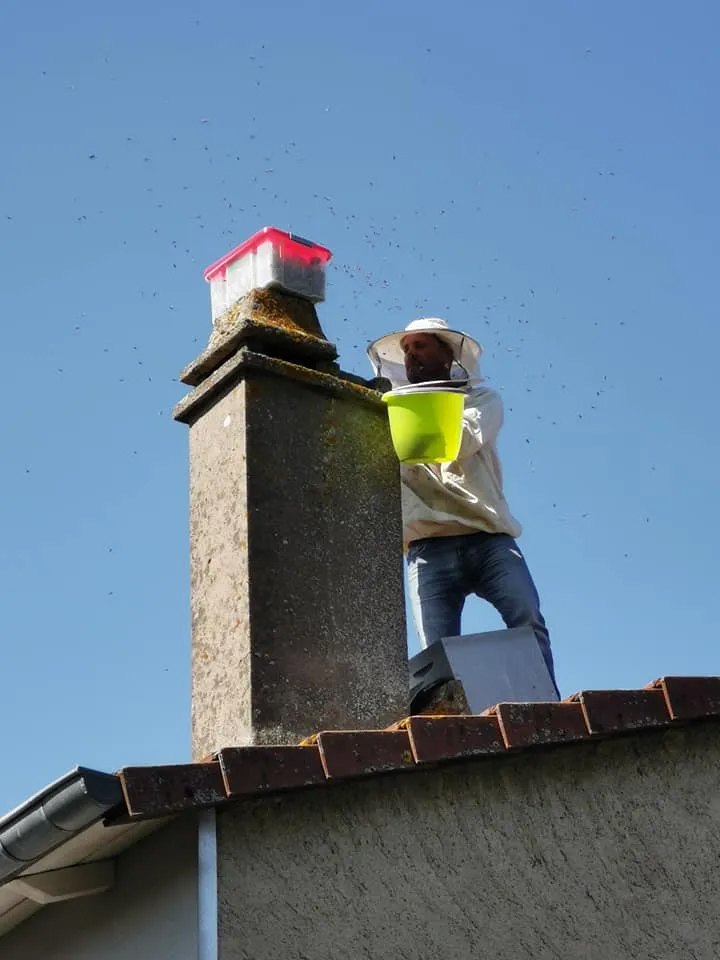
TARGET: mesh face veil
(388,360)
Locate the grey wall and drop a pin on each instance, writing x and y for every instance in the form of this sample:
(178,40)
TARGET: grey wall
(606,851)
(151,914)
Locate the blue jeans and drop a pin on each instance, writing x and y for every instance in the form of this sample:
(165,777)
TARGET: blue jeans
(444,571)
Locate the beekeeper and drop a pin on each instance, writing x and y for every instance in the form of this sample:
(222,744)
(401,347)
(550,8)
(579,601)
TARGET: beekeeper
(458,532)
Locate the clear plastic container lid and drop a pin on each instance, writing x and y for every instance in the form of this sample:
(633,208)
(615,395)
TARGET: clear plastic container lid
(290,247)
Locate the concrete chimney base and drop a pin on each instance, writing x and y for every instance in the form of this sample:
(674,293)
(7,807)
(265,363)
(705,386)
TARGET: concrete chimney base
(298,611)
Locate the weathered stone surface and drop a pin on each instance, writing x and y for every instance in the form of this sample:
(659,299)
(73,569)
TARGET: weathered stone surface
(274,308)
(298,614)
(600,850)
(270,321)
(333,381)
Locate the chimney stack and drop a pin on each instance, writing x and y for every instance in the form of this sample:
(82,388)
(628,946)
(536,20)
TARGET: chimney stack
(297,596)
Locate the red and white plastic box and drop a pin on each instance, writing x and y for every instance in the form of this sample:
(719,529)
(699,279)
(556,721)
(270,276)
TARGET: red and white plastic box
(270,258)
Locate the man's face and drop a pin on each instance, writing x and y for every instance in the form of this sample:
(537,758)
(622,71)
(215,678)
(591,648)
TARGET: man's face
(427,357)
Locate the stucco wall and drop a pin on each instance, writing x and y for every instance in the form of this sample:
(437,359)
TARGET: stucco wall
(275,462)
(151,914)
(607,851)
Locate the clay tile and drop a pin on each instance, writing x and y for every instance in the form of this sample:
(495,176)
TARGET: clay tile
(357,753)
(689,698)
(533,724)
(160,791)
(252,770)
(622,711)
(434,739)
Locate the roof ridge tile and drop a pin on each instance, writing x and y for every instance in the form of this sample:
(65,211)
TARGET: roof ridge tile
(415,742)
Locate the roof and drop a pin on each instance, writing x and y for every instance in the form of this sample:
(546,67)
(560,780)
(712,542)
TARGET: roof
(61,826)
(65,824)
(416,743)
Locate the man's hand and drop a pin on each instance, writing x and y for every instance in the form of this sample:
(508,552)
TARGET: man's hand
(381,384)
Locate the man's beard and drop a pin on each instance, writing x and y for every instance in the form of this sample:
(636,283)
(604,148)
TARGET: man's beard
(418,373)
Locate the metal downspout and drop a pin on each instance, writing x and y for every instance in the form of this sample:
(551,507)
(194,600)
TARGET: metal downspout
(207,886)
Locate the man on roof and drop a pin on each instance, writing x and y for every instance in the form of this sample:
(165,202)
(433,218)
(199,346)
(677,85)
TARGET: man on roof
(458,532)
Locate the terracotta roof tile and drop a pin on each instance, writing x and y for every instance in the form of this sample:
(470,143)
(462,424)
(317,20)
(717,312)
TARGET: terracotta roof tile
(622,711)
(689,698)
(160,791)
(358,753)
(435,739)
(415,742)
(250,770)
(533,724)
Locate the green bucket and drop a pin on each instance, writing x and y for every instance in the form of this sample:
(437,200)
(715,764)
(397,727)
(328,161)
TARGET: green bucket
(425,425)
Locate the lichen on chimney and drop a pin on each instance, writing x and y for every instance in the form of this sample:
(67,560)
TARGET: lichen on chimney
(272,308)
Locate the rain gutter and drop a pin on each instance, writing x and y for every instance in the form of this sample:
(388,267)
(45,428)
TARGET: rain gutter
(54,815)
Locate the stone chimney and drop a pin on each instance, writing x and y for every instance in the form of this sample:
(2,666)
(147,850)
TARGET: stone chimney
(298,611)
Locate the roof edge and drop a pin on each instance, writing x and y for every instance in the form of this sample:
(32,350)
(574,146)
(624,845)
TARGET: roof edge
(417,742)
(53,815)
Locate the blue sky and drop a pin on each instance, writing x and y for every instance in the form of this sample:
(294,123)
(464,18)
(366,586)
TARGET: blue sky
(543,175)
